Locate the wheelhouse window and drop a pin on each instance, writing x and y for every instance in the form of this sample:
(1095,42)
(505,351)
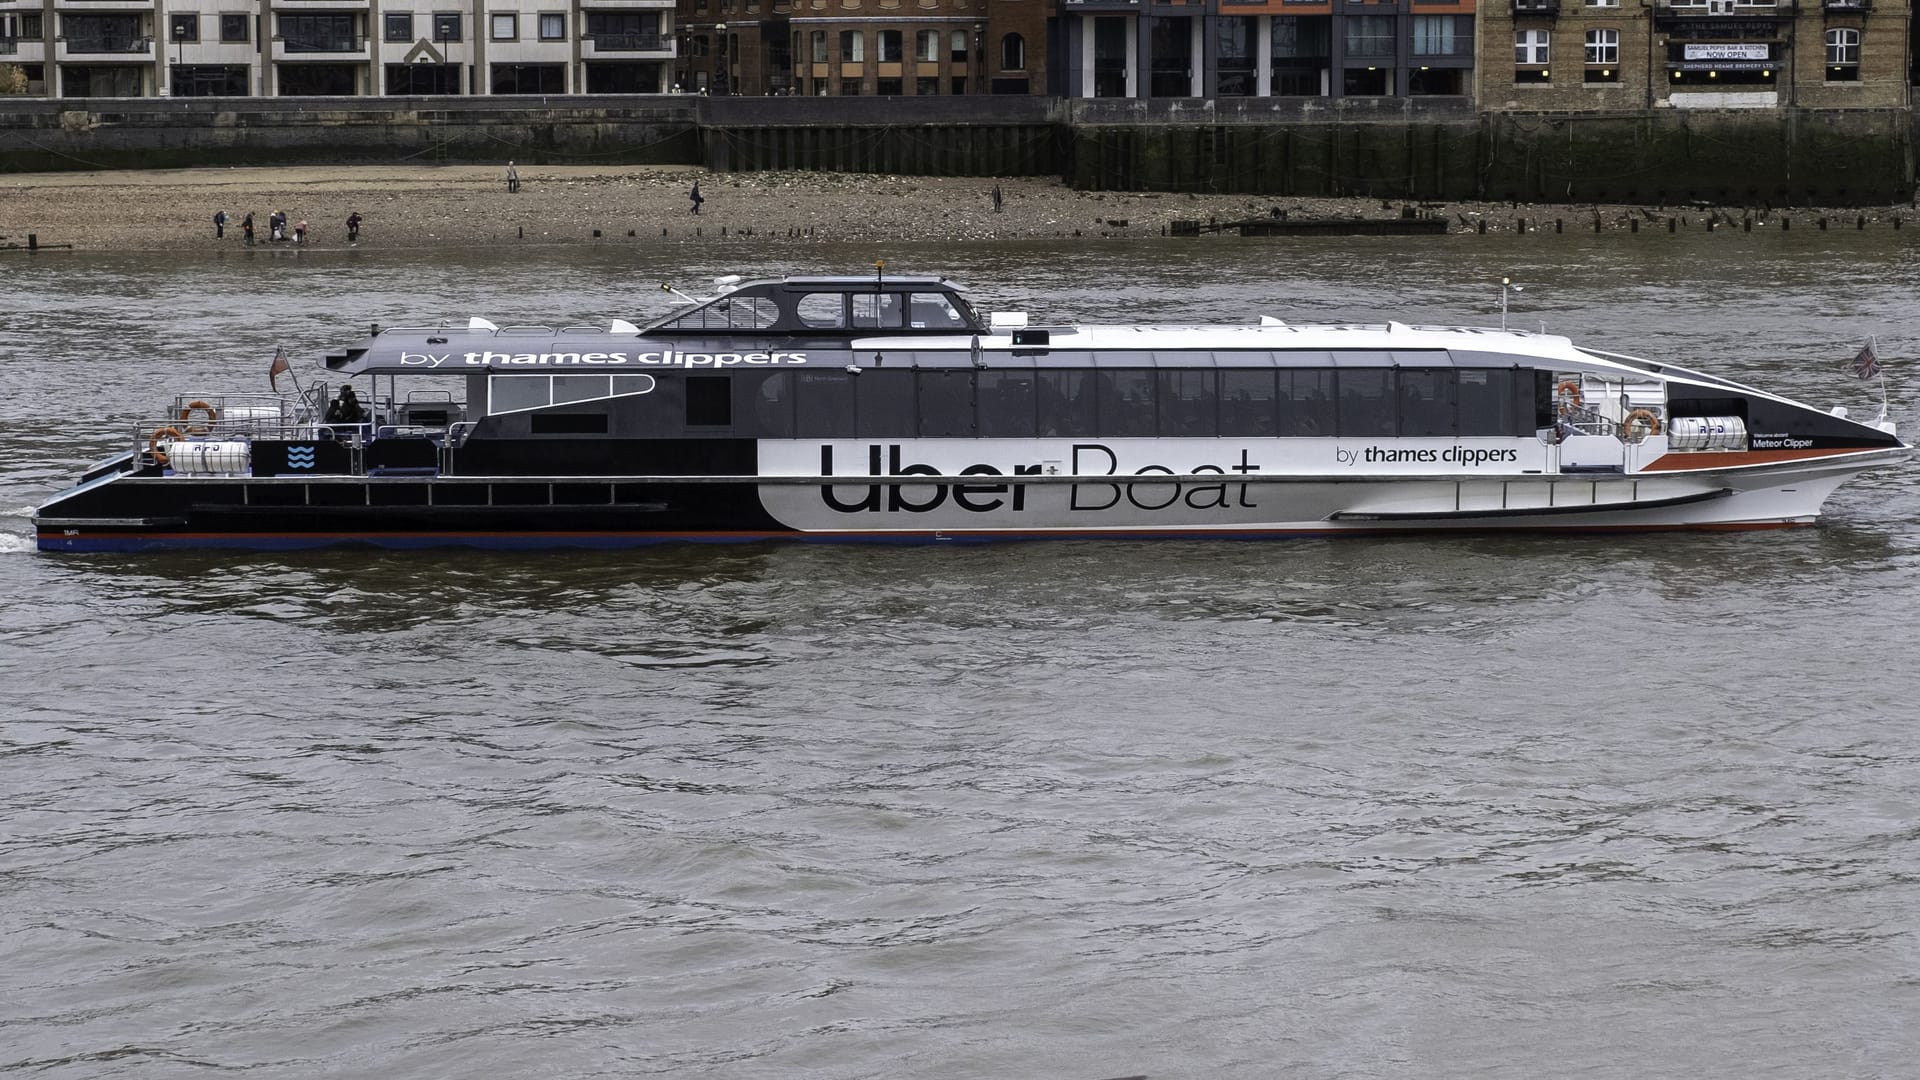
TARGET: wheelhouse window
(1843,55)
(515,393)
(730,313)
(822,310)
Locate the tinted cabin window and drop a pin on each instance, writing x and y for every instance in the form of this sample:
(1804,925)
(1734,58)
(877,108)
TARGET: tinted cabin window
(1006,404)
(1426,401)
(1365,404)
(732,313)
(1125,397)
(579,387)
(709,401)
(773,405)
(1306,402)
(882,310)
(1247,405)
(1066,404)
(885,402)
(1188,403)
(933,309)
(822,310)
(1486,402)
(1543,409)
(823,405)
(946,403)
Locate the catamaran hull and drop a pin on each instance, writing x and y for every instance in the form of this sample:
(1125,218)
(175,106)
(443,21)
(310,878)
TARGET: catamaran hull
(135,514)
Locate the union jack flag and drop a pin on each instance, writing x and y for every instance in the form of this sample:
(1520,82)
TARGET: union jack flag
(1865,364)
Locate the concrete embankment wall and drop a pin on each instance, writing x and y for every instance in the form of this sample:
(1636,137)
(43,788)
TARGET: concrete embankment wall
(1391,148)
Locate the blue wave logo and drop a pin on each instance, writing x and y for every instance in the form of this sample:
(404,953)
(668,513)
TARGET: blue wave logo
(300,457)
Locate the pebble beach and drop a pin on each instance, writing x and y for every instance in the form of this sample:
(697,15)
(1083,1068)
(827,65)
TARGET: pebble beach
(414,207)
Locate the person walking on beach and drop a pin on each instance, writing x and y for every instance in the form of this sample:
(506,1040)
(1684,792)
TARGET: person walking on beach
(353,227)
(246,228)
(219,224)
(695,198)
(300,232)
(277,226)
(513,179)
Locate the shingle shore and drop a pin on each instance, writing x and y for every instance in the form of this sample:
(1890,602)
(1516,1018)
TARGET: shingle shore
(427,207)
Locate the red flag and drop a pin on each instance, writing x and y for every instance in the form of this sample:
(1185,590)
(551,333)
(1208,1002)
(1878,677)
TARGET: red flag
(279,367)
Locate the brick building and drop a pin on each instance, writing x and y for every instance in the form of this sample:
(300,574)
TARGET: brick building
(864,47)
(1601,56)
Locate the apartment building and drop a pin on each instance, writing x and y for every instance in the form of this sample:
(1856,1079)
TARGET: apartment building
(284,48)
(887,48)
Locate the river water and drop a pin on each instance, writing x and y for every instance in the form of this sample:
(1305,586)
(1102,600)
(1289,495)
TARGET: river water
(1455,807)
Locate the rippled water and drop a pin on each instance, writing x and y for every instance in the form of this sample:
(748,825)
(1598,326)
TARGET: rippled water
(1461,807)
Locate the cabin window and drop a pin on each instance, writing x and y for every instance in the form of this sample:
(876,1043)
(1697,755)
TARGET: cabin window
(578,387)
(1189,405)
(1544,413)
(507,393)
(823,405)
(877,309)
(709,401)
(773,406)
(1126,402)
(884,403)
(1426,401)
(822,310)
(731,313)
(1065,404)
(1486,402)
(1006,404)
(946,403)
(1247,404)
(933,309)
(1366,403)
(1306,402)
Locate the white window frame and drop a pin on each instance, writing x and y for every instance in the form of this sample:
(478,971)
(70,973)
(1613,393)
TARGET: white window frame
(1843,47)
(1532,47)
(926,46)
(1603,47)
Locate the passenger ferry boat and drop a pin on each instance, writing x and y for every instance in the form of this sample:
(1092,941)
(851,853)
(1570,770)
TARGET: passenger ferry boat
(887,408)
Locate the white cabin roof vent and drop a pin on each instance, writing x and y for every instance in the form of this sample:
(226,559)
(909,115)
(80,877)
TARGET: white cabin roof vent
(1007,320)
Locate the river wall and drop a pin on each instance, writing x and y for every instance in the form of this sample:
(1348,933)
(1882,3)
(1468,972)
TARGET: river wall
(1385,147)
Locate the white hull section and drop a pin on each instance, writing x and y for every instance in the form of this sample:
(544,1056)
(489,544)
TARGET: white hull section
(1213,487)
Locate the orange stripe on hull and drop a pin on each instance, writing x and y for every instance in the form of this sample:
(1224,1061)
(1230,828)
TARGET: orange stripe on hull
(1715,460)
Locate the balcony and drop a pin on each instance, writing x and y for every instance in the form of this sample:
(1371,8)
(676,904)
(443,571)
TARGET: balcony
(328,47)
(627,47)
(118,48)
(1548,8)
(100,5)
(1666,10)
(1848,6)
(627,5)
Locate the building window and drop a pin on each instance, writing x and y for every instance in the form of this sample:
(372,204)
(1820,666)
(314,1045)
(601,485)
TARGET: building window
(887,87)
(1530,46)
(853,48)
(233,28)
(553,26)
(701,45)
(957,45)
(817,46)
(1603,47)
(1603,3)
(446,26)
(926,86)
(1369,35)
(926,46)
(506,27)
(1433,35)
(1843,55)
(1013,53)
(399,26)
(849,87)
(887,45)
(187,27)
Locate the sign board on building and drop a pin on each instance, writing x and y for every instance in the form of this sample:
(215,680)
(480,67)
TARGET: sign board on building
(1725,51)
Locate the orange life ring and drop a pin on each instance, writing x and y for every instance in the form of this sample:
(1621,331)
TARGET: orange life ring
(153,443)
(186,417)
(1643,418)
(1568,393)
